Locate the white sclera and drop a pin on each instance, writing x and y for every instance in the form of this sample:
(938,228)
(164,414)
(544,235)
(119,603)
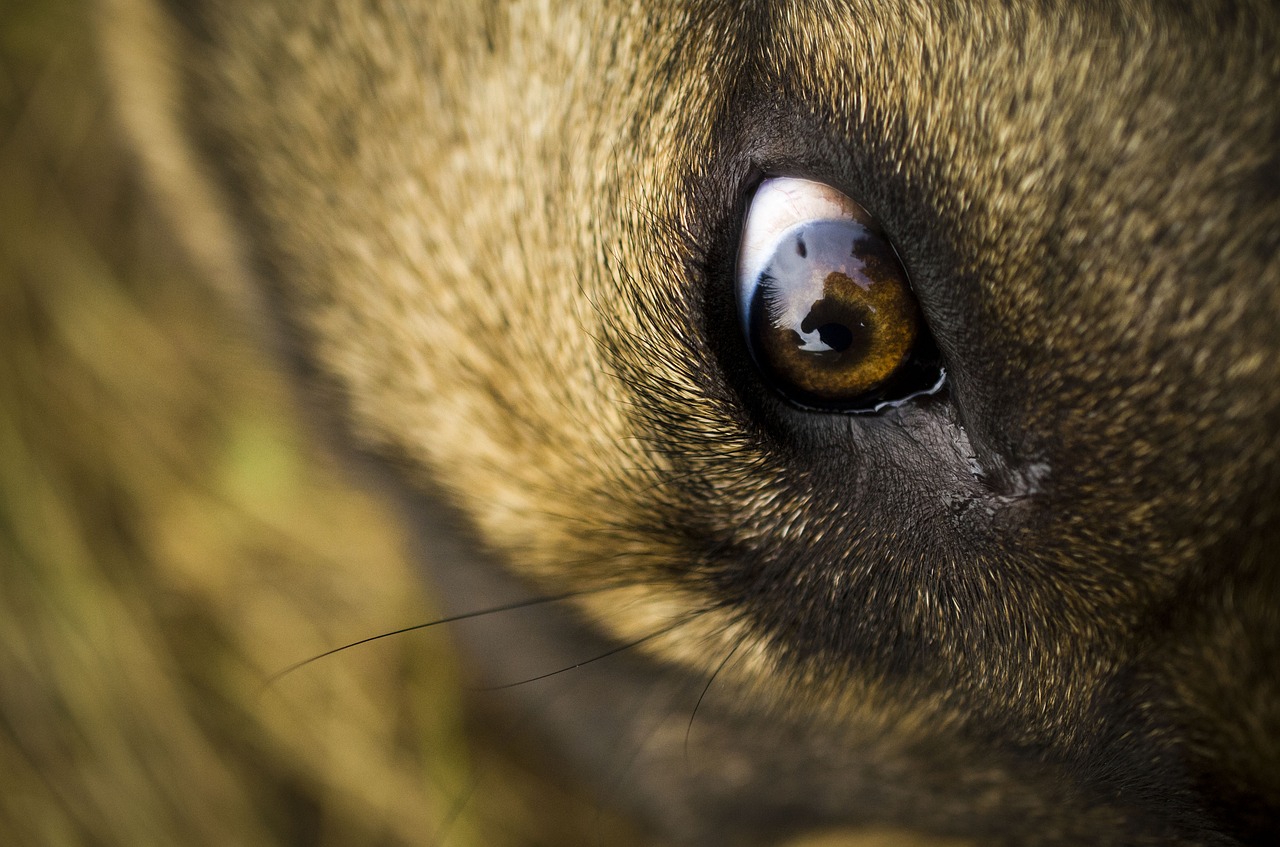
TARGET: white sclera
(779,205)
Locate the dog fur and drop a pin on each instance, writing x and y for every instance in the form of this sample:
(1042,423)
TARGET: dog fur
(1039,608)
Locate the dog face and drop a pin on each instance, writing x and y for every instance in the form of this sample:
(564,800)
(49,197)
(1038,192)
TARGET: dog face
(1037,602)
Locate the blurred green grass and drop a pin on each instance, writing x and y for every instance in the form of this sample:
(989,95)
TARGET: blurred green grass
(169,537)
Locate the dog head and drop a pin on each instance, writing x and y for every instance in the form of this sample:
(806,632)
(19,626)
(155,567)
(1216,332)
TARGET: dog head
(507,241)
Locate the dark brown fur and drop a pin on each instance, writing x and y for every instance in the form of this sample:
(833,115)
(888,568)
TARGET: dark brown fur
(1039,609)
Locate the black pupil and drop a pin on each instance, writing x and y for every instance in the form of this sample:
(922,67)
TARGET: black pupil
(836,336)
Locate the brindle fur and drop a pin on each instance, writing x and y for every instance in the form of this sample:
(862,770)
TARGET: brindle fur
(1040,608)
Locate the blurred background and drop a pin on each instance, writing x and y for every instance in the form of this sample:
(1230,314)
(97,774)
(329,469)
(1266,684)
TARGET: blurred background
(170,537)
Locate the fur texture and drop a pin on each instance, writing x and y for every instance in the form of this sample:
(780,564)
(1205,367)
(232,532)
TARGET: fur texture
(1039,608)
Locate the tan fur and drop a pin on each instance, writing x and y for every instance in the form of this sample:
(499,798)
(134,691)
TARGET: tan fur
(483,226)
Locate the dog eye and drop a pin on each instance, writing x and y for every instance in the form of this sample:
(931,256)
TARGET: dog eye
(825,304)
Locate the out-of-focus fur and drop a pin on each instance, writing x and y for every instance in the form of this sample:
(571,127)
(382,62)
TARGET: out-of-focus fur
(1040,609)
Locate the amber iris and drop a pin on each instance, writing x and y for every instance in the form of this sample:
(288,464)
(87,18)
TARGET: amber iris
(831,317)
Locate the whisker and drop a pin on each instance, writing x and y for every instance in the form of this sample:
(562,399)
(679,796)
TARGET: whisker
(455,810)
(612,796)
(689,729)
(493,610)
(612,652)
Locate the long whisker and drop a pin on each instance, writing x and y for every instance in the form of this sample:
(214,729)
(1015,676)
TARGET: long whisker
(612,794)
(455,811)
(689,729)
(493,610)
(612,652)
